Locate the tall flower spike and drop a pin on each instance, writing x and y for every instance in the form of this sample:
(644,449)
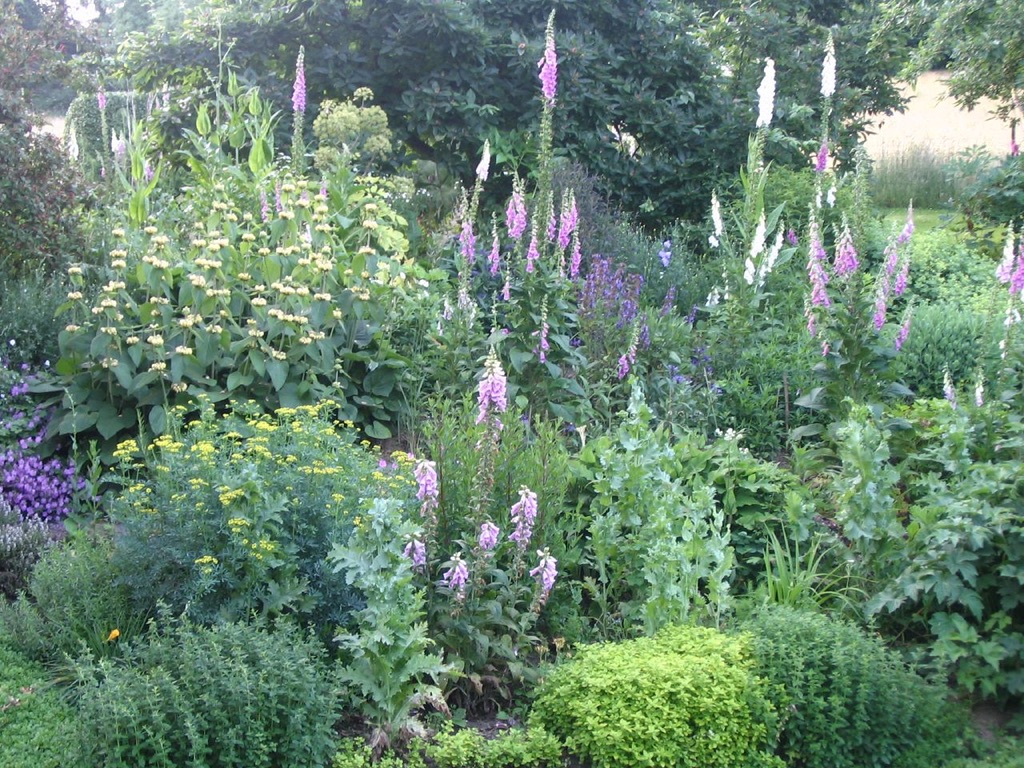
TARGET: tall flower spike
(524,515)
(485,162)
(515,213)
(492,390)
(455,578)
(549,64)
(715,239)
(545,573)
(828,69)
(846,256)
(766,95)
(299,87)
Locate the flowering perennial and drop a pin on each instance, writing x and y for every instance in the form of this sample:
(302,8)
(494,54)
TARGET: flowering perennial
(491,393)
(549,64)
(488,538)
(524,514)
(766,95)
(455,578)
(545,573)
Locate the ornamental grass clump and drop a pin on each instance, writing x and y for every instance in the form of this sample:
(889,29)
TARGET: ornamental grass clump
(688,697)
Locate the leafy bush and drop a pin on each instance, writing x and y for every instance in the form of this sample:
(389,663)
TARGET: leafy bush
(72,602)
(88,130)
(235,514)
(229,695)
(688,698)
(28,317)
(269,287)
(22,543)
(38,726)
(955,579)
(948,336)
(947,271)
(847,700)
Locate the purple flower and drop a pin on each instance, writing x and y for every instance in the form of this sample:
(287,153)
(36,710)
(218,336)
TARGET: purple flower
(1017,278)
(101,99)
(669,302)
(846,257)
(492,391)
(494,258)
(881,302)
(821,162)
(456,576)
(427,490)
(577,256)
(791,238)
(543,346)
(488,538)
(532,253)
(545,573)
(299,87)
(264,206)
(665,254)
(567,222)
(623,369)
(515,213)
(416,551)
(908,228)
(467,242)
(549,64)
(903,332)
(816,269)
(524,514)
(948,389)
(901,279)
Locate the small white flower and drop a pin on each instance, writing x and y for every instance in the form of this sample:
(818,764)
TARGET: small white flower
(485,162)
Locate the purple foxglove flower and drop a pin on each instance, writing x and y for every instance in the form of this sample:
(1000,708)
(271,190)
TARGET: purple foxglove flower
(816,269)
(908,228)
(101,99)
(494,258)
(543,346)
(299,87)
(821,163)
(492,391)
(515,213)
(545,573)
(549,64)
(506,290)
(467,242)
(948,390)
(416,551)
(846,262)
(577,257)
(532,253)
(524,514)
(264,206)
(1017,278)
(568,221)
(455,578)
(623,370)
(900,284)
(488,538)
(903,332)
(881,302)
(791,238)
(427,490)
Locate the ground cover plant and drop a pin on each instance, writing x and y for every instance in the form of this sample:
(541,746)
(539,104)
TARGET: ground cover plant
(333,458)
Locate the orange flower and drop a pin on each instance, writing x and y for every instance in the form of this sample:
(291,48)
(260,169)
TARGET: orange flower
(114,634)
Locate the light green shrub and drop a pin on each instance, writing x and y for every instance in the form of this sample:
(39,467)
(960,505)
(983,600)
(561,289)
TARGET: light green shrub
(848,701)
(945,270)
(686,698)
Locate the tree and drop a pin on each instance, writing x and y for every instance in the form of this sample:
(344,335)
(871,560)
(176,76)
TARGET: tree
(981,43)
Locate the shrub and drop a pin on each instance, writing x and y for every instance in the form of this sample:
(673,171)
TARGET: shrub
(72,602)
(230,695)
(28,317)
(948,271)
(687,697)
(236,514)
(21,544)
(38,726)
(948,336)
(848,701)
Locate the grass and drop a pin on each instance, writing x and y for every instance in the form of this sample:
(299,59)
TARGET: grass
(914,173)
